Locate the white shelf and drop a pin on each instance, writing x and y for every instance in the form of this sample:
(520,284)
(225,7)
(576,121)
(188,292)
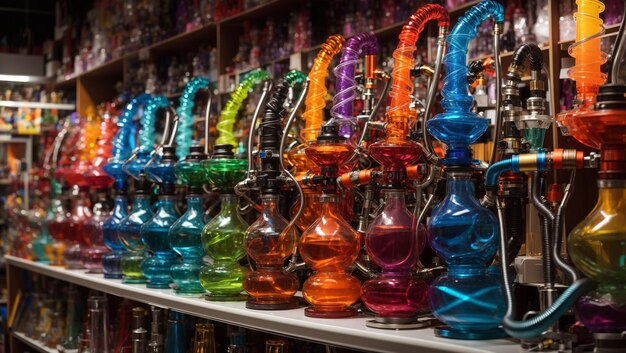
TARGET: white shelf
(37,105)
(36,345)
(349,333)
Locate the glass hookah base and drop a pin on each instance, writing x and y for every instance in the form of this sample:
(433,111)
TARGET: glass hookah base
(448,332)
(397,323)
(226,298)
(291,303)
(192,292)
(134,280)
(330,314)
(71,265)
(113,275)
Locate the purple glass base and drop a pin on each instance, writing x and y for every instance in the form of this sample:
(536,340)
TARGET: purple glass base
(601,313)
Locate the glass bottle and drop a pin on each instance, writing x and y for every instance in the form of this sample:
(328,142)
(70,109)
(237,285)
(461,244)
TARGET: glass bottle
(111,262)
(73,319)
(99,324)
(270,287)
(77,240)
(92,256)
(204,341)
(57,226)
(129,234)
(223,239)
(185,239)
(394,245)
(597,247)
(276,346)
(139,334)
(470,298)
(155,235)
(176,340)
(124,326)
(329,246)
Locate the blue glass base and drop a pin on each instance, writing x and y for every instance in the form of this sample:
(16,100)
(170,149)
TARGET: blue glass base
(448,332)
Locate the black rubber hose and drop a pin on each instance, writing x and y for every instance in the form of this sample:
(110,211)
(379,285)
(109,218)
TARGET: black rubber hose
(515,226)
(546,250)
(270,126)
(531,52)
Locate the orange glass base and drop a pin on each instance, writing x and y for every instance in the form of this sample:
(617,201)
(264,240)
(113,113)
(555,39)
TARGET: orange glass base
(330,314)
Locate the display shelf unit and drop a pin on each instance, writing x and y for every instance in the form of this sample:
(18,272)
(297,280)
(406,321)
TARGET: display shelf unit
(31,343)
(348,333)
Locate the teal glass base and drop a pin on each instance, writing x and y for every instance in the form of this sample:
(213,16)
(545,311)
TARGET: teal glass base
(157,270)
(448,332)
(186,276)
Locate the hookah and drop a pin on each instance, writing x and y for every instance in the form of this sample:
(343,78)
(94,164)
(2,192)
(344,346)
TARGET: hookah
(122,146)
(271,239)
(56,214)
(395,239)
(313,118)
(129,230)
(100,182)
(80,211)
(185,234)
(223,236)
(329,245)
(185,114)
(155,233)
(469,299)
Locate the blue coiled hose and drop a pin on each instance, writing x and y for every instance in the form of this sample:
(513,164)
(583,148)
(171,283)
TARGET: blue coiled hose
(147,134)
(185,114)
(458,127)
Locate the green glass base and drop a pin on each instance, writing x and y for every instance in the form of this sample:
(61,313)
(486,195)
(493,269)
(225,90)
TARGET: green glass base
(448,332)
(134,280)
(189,293)
(226,298)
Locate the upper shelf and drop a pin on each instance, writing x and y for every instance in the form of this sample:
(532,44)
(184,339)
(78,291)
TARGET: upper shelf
(37,105)
(349,333)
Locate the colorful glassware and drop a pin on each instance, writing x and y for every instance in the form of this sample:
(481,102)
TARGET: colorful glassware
(270,287)
(95,250)
(222,238)
(111,262)
(392,243)
(80,213)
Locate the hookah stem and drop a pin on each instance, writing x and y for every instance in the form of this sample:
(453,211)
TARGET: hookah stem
(359,147)
(497,29)
(432,92)
(185,112)
(267,87)
(367,45)
(207,122)
(229,113)
(587,50)
(315,102)
(292,222)
(614,72)
(148,122)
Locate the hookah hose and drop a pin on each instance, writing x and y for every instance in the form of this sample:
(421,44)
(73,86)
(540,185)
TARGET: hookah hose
(123,143)
(315,99)
(342,110)
(402,85)
(456,97)
(185,114)
(107,132)
(148,122)
(229,113)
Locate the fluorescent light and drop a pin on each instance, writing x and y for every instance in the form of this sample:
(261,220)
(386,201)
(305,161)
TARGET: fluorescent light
(22,78)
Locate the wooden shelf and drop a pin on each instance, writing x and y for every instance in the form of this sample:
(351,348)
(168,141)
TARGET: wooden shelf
(349,333)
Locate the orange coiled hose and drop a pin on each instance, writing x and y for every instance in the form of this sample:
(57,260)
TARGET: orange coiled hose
(401,84)
(315,99)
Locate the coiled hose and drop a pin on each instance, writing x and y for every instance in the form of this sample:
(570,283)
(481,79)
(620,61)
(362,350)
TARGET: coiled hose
(458,127)
(123,142)
(345,90)
(587,50)
(147,134)
(401,84)
(530,52)
(228,116)
(315,99)
(185,114)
